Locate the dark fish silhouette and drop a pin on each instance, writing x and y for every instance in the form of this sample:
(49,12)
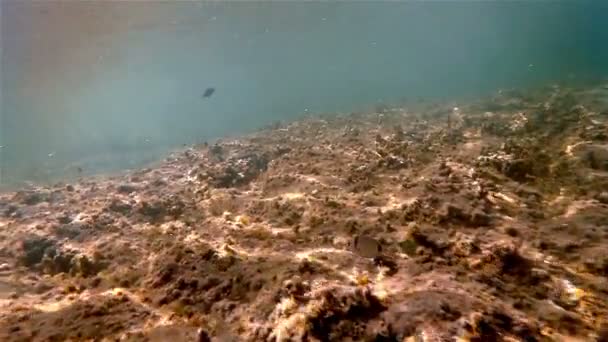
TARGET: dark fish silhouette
(208,92)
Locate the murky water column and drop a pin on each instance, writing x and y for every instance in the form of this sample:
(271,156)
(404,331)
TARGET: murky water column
(104,83)
(2,113)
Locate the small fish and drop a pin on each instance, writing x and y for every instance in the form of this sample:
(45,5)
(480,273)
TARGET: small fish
(208,92)
(202,336)
(366,246)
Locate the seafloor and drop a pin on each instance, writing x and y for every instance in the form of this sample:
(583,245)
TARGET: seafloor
(487,222)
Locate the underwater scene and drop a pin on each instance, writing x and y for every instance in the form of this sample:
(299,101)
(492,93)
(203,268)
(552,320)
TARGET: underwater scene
(303,170)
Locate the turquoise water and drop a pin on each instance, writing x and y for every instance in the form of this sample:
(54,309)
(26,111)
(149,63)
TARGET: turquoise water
(107,85)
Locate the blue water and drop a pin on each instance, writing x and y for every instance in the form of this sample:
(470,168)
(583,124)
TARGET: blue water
(267,60)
